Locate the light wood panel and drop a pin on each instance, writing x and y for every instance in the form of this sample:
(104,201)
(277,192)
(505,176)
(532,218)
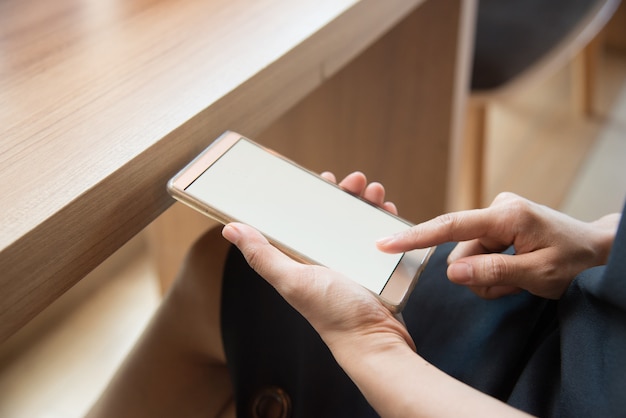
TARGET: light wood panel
(391,113)
(101,102)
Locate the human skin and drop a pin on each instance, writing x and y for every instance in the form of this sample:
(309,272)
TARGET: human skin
(551,248)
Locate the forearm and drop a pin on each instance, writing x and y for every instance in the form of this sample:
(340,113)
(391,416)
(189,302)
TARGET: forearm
(399,383)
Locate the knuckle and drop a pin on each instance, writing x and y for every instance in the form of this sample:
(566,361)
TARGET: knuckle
(254,256)
(445,219)
(308,284)
(555,280)
(307,279)
(519,206)
(522,213)
(448,223)
(511,201)
(412,234)
(495,269)
(504,197)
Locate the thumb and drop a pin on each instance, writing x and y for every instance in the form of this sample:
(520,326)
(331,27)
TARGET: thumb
(264,258)
(296,282)
(493,275)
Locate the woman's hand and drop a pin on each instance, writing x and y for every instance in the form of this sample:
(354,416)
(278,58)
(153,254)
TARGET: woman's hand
(338,308)
(345,314)
(550,248)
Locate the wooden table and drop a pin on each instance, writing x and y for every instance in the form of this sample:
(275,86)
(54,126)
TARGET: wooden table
(101,101)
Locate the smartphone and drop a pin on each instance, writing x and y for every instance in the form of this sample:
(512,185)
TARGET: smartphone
(309,218)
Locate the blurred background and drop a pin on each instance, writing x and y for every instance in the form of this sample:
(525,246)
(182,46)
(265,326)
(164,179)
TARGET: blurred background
(537,143)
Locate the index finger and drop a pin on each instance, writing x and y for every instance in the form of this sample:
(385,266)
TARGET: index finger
(451,227)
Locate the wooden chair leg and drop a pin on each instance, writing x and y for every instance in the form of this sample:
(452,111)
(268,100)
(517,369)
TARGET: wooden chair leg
(585,74)
(473,155)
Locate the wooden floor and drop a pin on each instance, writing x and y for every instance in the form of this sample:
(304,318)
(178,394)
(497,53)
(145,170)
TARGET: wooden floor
(542,148)
(539,147)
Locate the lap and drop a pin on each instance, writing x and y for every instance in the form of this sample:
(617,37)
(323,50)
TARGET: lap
(546,357)
(268,344)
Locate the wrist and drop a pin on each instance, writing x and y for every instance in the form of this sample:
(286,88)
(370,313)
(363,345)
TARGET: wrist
(351,349)
(398,382)
(369,351)
(385,375)
(605,230)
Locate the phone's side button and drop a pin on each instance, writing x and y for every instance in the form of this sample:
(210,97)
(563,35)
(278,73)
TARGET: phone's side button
(271,402)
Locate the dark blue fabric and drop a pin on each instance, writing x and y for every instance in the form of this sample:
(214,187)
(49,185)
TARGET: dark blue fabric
(550,358)
(485,343)
(268,344)
(591,340)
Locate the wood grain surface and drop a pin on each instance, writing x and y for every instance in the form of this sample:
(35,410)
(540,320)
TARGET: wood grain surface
(102,101)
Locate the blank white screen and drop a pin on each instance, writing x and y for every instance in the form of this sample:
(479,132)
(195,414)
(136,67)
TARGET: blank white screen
(309,215)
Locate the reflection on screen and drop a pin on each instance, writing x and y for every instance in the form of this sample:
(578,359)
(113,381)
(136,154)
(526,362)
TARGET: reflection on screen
(309,215)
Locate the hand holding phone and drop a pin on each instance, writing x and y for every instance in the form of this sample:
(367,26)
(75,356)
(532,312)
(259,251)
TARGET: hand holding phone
(309,218)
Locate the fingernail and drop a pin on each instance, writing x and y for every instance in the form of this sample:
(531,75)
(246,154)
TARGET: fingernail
(231,233)
(460,272)
(386,240)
